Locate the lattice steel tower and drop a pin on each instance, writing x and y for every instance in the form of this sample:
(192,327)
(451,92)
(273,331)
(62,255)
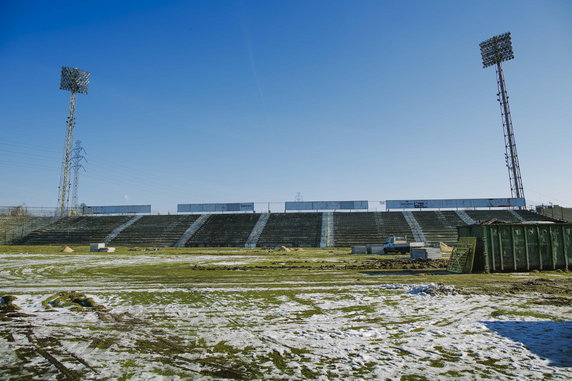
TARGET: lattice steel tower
(77,158)
(75,81)
(494,51)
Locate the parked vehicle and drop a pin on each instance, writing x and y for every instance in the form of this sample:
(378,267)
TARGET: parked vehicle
(400,245)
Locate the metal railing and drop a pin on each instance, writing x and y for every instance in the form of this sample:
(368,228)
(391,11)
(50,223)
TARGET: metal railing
(23,230)
(23,211)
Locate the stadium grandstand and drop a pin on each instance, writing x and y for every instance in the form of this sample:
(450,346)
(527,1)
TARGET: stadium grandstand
(328,224)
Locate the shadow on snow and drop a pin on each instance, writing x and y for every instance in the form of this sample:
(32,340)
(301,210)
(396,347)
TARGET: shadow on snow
(549,340)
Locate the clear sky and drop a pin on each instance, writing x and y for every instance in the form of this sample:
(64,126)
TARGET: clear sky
(236,101)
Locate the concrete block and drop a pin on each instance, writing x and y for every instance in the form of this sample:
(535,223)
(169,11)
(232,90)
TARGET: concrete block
(375,249)
(96,247)
(359,250)
(426,253)
(417,253)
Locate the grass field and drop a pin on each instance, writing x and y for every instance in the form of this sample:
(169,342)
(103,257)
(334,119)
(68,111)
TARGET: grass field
(204,313)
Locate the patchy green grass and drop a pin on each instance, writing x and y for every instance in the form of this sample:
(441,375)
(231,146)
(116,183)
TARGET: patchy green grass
(174,265)
(223,313)
(538,315)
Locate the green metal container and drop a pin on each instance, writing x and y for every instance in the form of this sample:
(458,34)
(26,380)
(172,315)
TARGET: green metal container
(520,247)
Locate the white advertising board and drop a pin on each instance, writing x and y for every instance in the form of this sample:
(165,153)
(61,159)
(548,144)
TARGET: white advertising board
(117,209)
(456,203)
(213,208)
(326,205)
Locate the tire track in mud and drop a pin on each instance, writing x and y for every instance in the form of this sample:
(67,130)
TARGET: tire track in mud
(157,341)
(278,348)
(271,342)
(41,356)
(148,338)
(37,353)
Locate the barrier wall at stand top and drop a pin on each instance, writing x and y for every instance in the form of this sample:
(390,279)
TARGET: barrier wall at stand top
(462,203)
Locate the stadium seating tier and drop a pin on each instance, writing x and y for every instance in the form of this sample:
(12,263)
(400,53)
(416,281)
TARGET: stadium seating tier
(282,229)
(74,230)
(162,230)
(224,230)
(292,230)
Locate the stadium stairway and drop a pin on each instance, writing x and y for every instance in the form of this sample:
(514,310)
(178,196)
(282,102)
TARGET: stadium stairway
(465,217)
(115,232)
(438,226)
(257,230)
(74,230)
(418,234)
(362,228)
(224,230)
(162,230)
(529,215)
(394,223)
(485,215)
(292,230)
(191,230)
(327,234)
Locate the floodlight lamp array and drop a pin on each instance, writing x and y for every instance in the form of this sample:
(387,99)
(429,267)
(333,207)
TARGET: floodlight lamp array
(74,80)
(496,50)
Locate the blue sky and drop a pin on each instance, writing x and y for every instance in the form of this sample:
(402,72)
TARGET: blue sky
(235,101)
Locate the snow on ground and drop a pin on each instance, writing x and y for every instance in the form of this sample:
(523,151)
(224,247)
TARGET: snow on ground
(295,330)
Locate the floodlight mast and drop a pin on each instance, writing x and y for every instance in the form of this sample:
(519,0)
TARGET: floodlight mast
(494,51)
(75,81)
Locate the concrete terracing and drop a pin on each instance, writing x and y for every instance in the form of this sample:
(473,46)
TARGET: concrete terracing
(224,230)
(162,230)
(75,230)
(292,229)
(439,226)
(268,230)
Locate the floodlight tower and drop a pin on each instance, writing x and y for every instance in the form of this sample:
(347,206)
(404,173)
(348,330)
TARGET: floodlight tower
(77,159)
(75,81)
(494,51)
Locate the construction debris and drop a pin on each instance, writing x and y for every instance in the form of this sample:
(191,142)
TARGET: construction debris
(100,248)
(445,248)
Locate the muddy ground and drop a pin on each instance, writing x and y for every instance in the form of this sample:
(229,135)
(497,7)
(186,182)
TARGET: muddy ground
(236,314)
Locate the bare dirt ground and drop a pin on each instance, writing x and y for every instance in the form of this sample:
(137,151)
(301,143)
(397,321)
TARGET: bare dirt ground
(263,314)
